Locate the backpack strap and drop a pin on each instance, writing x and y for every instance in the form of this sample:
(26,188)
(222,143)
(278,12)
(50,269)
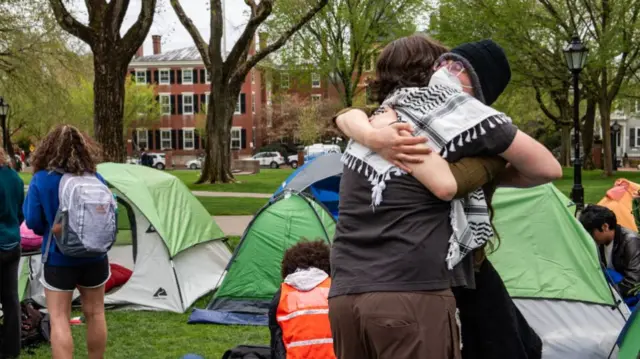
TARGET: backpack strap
(45,256)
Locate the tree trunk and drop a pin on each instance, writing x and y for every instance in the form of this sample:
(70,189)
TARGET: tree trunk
(605,118)
(217,164)
(108,106)
(565,145)
(587,135)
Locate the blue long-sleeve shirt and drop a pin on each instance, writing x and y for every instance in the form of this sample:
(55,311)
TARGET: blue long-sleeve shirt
(11,198)
(40,208)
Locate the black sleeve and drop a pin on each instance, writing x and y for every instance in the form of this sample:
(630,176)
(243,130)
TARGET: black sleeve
(278,350)
(631,266)
(492,140)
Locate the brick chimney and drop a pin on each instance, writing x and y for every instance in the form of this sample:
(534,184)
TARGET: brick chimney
(157,44)
(263,37)
(140,51)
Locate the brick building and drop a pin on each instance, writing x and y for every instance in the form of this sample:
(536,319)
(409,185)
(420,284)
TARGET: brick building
(183,88)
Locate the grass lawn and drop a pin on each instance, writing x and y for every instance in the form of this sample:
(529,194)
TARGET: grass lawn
(231,206)
(595,185)
(267,181)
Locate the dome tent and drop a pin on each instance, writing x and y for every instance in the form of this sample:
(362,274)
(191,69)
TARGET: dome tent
(253,274)
(167,238)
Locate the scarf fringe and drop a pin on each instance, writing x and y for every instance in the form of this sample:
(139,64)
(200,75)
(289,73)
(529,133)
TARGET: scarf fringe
(375,178)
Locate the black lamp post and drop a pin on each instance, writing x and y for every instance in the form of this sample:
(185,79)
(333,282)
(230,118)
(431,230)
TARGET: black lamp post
(4,109)
(576,55)
(615,130)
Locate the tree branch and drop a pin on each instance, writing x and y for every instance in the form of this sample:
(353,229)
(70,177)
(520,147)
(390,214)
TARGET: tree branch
(136,34)
(243,69)
(71,24)
(544,107)
(117,10)
(258,16)
(202,46)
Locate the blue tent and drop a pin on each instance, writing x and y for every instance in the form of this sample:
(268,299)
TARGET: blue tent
(320,178)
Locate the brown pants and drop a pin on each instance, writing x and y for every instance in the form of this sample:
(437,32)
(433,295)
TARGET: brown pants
(398,325)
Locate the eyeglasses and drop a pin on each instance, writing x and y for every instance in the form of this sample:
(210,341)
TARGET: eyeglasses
(455,68)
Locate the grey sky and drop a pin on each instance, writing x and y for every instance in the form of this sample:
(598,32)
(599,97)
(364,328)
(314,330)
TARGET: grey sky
(166,23)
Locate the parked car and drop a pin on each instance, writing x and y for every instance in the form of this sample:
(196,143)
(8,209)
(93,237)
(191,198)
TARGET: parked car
(159,160)
(271,159)
(195,163)
(313,151)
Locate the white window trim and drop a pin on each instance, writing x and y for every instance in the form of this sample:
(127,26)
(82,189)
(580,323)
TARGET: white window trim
(238,110)
(184,138)
(167,95)
(284,75)
(316,77)
(187,70)
(316,97)
(187,95)
(146,135)
(239,129)
(144,71)
(253,102)
(207,95)
(207,79)
(168,76)
(162,131)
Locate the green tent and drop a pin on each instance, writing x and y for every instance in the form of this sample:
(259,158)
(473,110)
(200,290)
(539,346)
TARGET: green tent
(253,274)
(550,266)
(166,238)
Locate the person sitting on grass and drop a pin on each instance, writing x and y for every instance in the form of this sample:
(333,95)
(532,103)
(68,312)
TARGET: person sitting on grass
(299,311)
(618,247)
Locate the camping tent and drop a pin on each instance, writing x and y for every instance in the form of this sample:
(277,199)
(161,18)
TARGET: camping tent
(320,177)
(619,200)
(550,266)
(166,237)
(253,274)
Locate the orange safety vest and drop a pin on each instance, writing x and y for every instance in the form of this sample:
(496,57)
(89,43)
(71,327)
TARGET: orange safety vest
(304,319)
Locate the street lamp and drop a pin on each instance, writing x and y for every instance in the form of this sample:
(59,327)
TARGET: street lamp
(576,56)
(4,109)
(615,130)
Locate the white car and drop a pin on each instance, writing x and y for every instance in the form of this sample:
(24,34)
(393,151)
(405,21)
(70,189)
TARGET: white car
(159,160)
(313,151)
(271,159)
(195,164)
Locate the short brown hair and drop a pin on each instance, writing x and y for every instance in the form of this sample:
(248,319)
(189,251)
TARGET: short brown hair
(405,62)
(67,149)
(306,254)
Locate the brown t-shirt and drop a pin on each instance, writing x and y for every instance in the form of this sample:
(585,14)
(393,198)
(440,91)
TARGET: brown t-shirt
(401,245)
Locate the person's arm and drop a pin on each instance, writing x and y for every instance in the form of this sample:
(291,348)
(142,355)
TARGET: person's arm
(33,211)
(531,163)
(631,266)
(278,350)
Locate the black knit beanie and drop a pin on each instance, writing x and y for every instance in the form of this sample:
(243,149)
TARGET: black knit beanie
(489,66)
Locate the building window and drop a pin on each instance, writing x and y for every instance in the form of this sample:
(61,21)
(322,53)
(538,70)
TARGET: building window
(236,138)
(253,103)
(207,97)
(187,103)
(315,80)
(187,76)
(253,77)
(165,139)
(165,78)
(316,98)
(143,139)
(165,104)
(284,80)
(238,109)
(189,138)
(141,77)
(207,76)
(637,106)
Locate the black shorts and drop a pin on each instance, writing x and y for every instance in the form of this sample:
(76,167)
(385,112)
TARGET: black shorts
(66,279)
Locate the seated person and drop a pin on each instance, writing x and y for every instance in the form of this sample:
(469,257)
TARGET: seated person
(618,247)
(299,311)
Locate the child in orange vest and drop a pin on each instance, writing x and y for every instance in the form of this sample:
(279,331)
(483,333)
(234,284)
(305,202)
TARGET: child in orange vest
(299,311)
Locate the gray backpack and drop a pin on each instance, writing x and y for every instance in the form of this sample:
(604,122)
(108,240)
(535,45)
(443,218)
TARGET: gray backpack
(87,217)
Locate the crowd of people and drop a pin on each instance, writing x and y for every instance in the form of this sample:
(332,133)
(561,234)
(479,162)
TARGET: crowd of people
(407,275)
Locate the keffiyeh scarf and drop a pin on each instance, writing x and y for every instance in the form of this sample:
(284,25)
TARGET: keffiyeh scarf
(449,119)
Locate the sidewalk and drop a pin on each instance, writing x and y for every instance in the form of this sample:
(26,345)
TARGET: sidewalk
(233,225)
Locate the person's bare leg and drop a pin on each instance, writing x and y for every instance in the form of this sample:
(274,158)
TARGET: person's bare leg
(59,307)
(93,309)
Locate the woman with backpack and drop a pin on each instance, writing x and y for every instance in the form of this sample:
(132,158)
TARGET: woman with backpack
(68,152)
(11,198)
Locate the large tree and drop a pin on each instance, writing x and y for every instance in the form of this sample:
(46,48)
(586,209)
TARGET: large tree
(112,53)
(228,72)
(342,41)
